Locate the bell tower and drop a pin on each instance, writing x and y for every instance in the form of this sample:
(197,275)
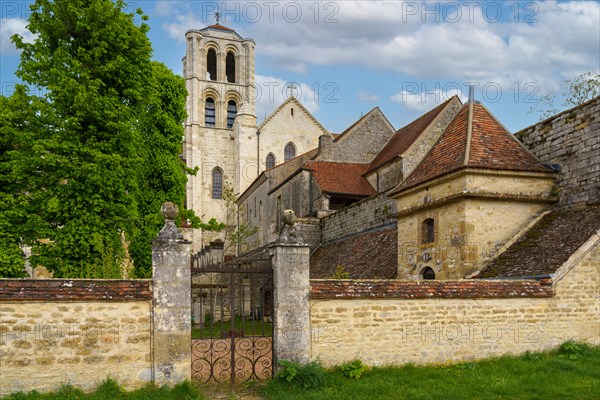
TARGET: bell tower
(218,69)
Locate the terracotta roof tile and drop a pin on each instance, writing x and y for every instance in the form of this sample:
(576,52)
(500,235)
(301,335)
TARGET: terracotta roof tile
(547,245)
(406,136)
(220,27)
(366,255)
(341,178)
(491,147)
(397,289)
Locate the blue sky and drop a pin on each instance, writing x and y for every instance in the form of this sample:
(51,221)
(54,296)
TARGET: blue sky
(402,56)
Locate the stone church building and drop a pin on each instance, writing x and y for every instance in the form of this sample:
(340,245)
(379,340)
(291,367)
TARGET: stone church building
(448,196)
(222,137)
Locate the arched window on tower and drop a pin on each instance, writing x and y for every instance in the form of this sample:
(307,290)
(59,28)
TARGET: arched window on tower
(289,152)
(270,162)
(209,112)
(230,67)
(428,231)
(211,65)
(217,183)
(231,113)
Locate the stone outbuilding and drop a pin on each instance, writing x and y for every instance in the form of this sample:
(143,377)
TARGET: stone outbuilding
(476,189)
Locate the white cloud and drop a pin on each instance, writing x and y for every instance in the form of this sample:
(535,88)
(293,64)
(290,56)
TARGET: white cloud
(548,40)
(383,36)
(180,24)
(10,27)
(368,97)
(271,92)
(421,102)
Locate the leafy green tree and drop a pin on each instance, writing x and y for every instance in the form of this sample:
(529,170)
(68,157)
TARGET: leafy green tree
(575,91)
(99,151)
(236,232)
(17,123)
(163,176)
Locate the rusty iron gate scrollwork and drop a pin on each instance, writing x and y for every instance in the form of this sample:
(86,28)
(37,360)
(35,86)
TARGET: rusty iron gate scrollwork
(232,304)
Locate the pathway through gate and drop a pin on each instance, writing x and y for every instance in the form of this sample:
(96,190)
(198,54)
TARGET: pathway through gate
(232,335)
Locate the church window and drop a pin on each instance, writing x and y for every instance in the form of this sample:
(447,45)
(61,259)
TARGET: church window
(211,65)
(230,67)
(270,163)
(217,184)
(427,273)
(289,152)
(260,210)
(292,111)
(209,112)
(231,113)
(428,231)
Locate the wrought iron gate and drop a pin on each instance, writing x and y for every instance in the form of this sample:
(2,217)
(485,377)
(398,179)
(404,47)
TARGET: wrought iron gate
(233,340)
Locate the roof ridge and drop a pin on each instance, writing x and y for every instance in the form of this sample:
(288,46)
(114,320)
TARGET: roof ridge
(358,121)
(487,144)
(377,162)
(295,100)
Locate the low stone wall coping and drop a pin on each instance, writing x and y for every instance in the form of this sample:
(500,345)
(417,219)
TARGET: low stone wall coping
(322,289)
(74,290)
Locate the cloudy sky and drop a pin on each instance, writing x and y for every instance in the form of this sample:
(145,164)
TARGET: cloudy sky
(403,56)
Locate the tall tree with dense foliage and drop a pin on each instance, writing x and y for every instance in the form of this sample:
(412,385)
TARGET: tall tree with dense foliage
(104,154)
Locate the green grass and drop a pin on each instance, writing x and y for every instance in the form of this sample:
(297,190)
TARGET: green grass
(109,389)
(564,373)
(250,328)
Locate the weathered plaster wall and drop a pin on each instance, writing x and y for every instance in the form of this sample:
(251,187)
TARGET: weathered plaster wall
(454,321)
(572,140)
(75,336)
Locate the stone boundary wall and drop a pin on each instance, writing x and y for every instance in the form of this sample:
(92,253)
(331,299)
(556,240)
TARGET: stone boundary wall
(572,140)
(74,331)
(372,212)
(454,321)
(395,289)
(74,289)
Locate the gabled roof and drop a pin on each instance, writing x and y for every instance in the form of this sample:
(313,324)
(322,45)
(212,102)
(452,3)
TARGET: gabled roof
(280,172)
(547,245)
(407,135)
(375,110)
(292,99)
(475,139)
(340,178)
(356,255)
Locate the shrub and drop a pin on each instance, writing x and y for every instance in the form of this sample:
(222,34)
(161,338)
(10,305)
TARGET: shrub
(353,369)
(572,350)
(306,376)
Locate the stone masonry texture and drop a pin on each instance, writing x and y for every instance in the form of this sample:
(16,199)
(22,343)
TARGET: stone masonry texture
(434,322)
(67,338)
(570,139)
